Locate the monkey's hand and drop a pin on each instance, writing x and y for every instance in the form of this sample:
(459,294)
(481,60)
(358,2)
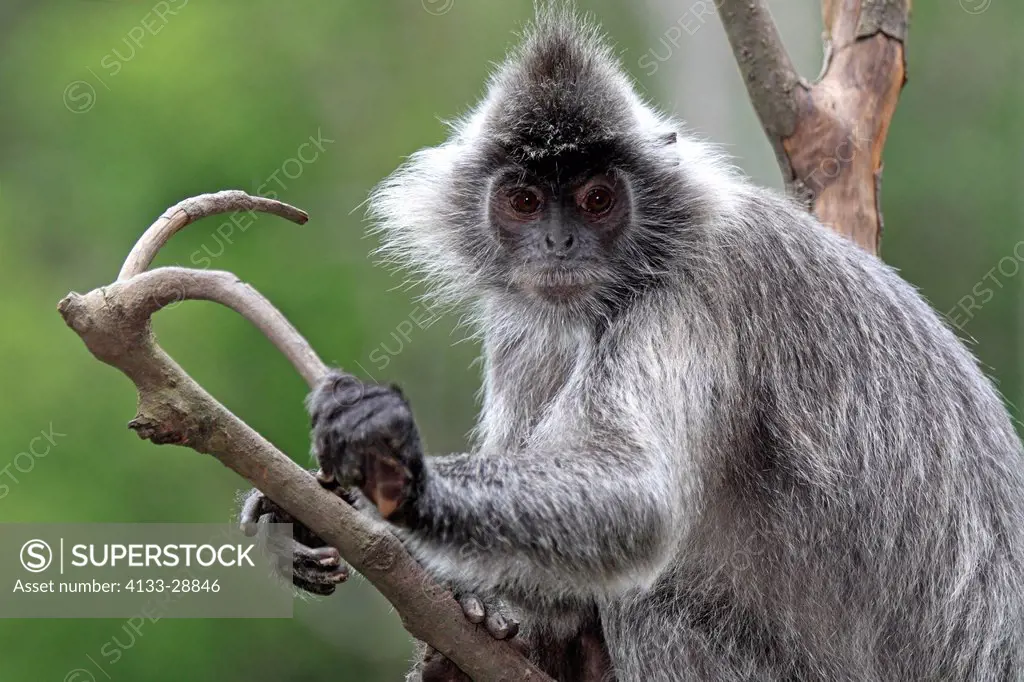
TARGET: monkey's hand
(364,436)
(315,567)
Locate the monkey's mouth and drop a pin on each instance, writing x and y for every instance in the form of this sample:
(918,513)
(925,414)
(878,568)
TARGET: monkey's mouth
(562,292)
(560,283)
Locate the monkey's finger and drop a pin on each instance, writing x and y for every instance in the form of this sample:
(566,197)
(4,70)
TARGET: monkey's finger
(337,391)
(327,480)
(375,413)
(342,401)
(385,481)
(473,608)
(252,509)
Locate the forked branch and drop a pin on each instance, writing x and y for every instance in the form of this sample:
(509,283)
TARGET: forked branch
(828,137)
(114,323)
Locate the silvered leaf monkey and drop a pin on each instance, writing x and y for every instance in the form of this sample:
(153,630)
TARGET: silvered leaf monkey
(718,441)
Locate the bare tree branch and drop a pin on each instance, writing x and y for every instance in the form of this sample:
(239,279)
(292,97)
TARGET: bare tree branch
(831,150)
(150,291)
(114,323)
(771,80)
(190,210)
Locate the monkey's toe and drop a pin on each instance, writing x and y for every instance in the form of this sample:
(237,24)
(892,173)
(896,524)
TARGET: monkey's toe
(501,625)
(473,608)
(497,616)
(317,569)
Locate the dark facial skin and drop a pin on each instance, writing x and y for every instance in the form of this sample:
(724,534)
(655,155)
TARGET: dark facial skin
(557,238)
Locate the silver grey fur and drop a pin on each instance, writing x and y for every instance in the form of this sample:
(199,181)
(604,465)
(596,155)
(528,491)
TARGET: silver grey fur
(762,457)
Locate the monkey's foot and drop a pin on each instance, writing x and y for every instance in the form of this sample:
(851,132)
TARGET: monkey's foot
(496,615)
(434,667)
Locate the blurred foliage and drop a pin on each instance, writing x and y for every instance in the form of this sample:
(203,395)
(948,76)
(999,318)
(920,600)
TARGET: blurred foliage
(98,134)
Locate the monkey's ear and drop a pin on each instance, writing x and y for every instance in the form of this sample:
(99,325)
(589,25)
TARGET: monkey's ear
(668,138)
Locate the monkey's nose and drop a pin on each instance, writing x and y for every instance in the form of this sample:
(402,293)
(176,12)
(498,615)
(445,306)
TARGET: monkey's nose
(559,244)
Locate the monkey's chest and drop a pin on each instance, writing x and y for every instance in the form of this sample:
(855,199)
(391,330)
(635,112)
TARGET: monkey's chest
(534,383)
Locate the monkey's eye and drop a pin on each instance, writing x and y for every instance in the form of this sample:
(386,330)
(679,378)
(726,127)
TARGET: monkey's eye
(597,201)
(525,201)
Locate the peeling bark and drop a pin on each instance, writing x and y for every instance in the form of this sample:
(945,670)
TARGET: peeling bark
(829,136)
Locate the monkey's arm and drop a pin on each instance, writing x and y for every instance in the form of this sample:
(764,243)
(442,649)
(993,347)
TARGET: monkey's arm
(583,517)
(588,520)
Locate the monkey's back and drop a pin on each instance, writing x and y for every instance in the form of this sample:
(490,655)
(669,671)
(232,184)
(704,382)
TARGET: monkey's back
(866,521)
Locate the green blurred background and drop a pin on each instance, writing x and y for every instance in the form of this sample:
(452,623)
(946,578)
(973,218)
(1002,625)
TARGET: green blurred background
(110,114)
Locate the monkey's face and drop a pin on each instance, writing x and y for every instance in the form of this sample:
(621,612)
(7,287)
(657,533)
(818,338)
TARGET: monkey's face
(557,238)
(561,187)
